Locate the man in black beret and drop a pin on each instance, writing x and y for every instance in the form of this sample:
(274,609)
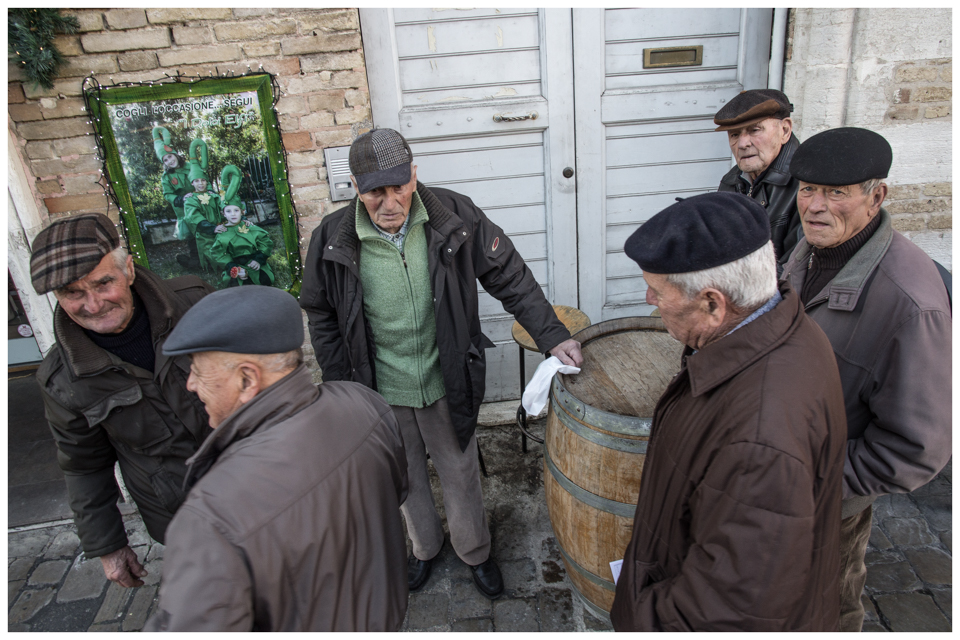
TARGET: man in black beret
(109,393)
(390,288)
(760,133)
(737,522)
(292,521)
(880,300)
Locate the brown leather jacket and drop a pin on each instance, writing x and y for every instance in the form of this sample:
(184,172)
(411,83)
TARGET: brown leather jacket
(888,317)
(738,522)
(293,523)
(102,409)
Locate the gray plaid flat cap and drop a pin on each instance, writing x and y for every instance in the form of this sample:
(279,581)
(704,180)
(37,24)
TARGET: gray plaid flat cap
(69,249)
(380,158)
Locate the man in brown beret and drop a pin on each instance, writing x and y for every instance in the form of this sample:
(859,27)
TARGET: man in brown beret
(109,393)
(761,138)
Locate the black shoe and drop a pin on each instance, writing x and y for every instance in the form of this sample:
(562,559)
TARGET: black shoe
(418,571)
(488,579)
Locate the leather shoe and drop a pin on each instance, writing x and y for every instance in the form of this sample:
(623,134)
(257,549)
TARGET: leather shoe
(418,572)
(486,576)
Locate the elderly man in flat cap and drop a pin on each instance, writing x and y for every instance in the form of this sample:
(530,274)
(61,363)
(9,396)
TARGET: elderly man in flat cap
(760,133)
(109,393)
(292,521)
(390,289)
(737,523)
(880,300)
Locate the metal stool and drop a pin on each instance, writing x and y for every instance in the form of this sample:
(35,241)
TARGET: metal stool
(574,320)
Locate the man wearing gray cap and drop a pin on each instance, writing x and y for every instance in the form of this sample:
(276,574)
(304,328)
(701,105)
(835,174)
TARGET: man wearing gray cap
(292,521)
(737,523)
(109,393)
(880,300)
(760,134)
(390,289)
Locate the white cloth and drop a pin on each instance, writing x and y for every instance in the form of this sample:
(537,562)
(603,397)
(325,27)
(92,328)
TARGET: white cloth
(535,395)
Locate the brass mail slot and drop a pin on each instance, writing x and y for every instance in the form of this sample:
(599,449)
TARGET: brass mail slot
(673,57)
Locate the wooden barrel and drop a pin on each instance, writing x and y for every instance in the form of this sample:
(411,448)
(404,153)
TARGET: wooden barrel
(598,425)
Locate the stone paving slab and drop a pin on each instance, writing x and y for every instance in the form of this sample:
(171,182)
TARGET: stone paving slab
(909,577)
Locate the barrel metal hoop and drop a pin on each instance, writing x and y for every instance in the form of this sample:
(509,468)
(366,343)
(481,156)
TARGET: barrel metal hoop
(589,575)
(626,425)
(594,609)
(602,439)
(621,509)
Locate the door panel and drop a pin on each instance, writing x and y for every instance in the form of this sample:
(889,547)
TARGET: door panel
(439,76)
(646,136)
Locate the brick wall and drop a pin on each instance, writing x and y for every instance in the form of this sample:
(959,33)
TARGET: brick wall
(316,55)
(888,70)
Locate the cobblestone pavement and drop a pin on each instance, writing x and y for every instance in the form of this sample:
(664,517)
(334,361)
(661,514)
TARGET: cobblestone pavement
(908,581)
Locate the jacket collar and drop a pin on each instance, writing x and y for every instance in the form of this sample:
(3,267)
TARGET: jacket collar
(718,362)
(778,173)
(844,291)
(84,358)
(278,402)
(440,219)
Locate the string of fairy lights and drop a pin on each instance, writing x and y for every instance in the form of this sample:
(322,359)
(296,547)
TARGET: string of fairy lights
(92,90)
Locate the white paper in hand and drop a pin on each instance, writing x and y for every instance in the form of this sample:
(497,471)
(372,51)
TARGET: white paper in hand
(615,569)
(535,395)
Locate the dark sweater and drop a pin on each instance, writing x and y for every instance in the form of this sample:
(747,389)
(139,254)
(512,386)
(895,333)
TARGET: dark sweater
(135,343)
(825,264)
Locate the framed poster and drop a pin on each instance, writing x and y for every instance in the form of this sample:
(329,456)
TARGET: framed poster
(198,173)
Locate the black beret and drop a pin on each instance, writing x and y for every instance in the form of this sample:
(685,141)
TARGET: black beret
(752,106)
(699,233)
(244,319)
(848,155)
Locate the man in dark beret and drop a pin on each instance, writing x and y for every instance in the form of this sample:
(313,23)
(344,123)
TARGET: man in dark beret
(760,133)
(390,288)
(109,393)
(292,521)
(737,522)
(880,300)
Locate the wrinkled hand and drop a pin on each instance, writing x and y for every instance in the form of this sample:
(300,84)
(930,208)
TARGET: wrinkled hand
(568,352)
(122,567)
(253,264)
(242,273)
(219,228)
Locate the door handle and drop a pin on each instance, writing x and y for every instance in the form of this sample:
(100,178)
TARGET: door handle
(499,117)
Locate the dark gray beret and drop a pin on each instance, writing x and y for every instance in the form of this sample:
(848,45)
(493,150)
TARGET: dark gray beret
(749,107)
(245,319)
(848,155)
(699,233)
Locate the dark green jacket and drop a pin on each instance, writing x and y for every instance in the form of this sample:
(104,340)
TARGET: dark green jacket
(103,410)
(463,246)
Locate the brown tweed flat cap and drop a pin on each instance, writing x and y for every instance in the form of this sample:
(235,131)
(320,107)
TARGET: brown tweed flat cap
(750,107)
(380,158)
(69,249)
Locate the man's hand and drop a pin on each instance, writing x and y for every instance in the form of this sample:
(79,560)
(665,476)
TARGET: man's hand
(122,567)
(219,228)
(568,352)
(253,264)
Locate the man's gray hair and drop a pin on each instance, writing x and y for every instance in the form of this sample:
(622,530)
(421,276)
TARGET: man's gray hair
(868,186)
(120,259)
(747,282)
(270,362)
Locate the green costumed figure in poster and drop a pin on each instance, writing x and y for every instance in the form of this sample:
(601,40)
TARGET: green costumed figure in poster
(202,208)
(175,183)
(242,249)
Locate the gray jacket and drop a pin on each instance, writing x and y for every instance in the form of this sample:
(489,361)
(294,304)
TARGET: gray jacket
(888,318)
(293,519)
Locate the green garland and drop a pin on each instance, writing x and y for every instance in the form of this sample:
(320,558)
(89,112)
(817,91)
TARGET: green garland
(30,33)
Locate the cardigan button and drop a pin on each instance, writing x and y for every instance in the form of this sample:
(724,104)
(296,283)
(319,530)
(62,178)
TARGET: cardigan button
(449,250)
(330,247)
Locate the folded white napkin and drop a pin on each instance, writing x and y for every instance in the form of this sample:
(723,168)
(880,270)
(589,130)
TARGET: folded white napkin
(535,395)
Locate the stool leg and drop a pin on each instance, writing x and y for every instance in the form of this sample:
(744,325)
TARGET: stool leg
(523,412)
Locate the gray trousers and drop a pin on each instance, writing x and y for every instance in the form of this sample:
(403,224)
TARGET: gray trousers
(854,536)
(430,430)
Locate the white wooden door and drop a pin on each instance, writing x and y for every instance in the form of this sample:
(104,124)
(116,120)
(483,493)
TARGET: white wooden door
(645,136)
(440,77)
